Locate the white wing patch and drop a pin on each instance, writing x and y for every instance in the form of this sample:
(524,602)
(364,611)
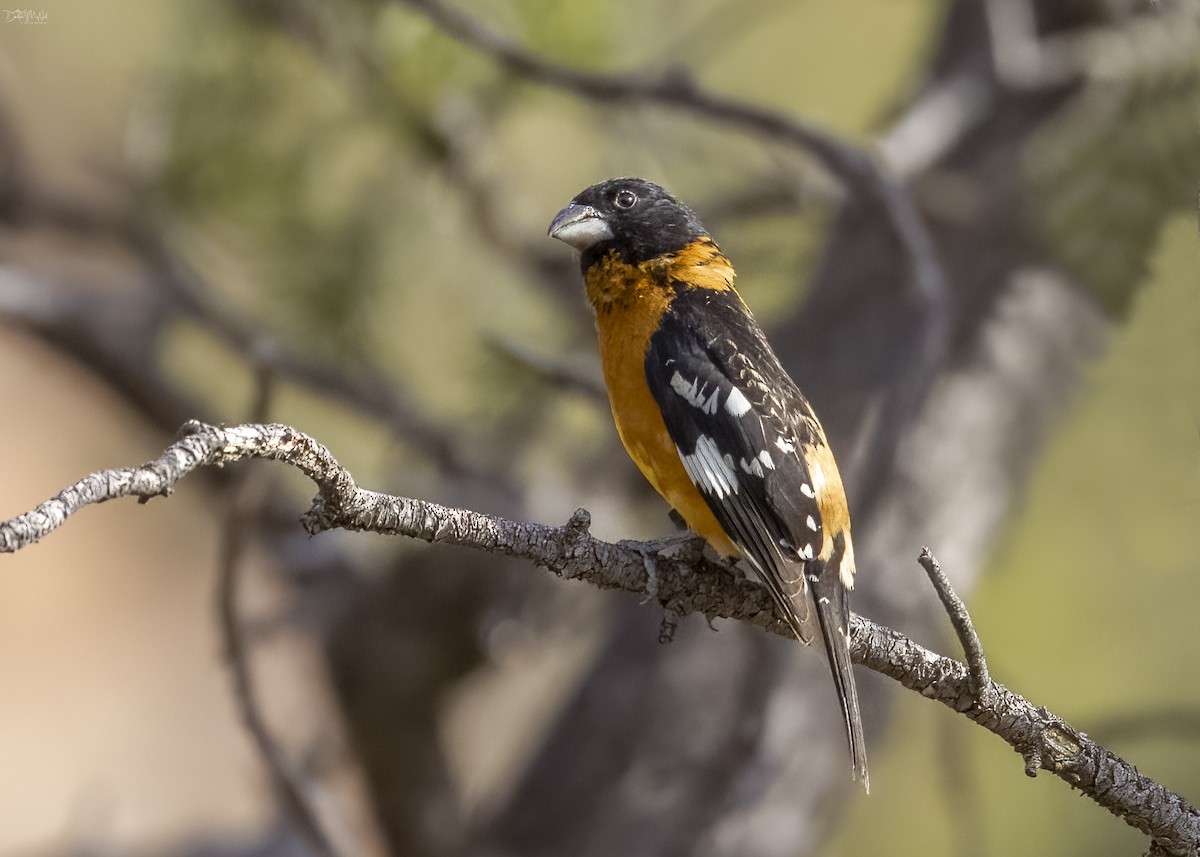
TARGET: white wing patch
(737,404)
(708,469)
(785,445)
(818,476)
(758,466)
(751,466)
(690,392)
(846,567)
(694,395)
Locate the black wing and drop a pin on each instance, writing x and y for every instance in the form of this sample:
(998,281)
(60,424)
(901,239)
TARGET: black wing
(739,423)
(742,430)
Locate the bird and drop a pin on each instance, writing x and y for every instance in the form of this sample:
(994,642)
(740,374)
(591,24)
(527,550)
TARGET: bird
(710,417)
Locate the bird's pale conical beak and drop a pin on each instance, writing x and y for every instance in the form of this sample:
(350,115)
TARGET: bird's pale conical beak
(581,226)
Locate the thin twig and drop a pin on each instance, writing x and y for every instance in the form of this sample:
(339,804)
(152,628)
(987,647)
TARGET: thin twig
(1044,740)
(981,682)
(286,784)
(245,501)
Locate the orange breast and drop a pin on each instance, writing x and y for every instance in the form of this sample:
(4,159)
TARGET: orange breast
(625,323)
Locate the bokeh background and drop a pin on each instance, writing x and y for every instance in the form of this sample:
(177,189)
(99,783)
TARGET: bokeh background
(333,215)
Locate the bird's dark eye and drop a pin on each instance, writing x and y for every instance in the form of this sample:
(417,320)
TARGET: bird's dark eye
(625,199)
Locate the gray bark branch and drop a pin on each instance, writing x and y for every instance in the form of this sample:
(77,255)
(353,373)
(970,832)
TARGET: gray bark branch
(688,581)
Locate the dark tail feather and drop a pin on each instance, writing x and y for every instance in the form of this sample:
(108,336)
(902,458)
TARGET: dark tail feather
(833,614)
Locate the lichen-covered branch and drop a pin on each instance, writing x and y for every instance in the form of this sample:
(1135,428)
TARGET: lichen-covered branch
(687,580)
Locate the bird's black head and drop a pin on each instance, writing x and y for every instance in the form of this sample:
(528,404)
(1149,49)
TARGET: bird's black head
(634,217)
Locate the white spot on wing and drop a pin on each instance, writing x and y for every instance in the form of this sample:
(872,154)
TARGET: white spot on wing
(846,566)
(807,553)
(818,476)
(688,391)
(806,490)
(812,525)
(785,445)
(709,470)
(752,466)
(694,394)
(737,404)
(765,458)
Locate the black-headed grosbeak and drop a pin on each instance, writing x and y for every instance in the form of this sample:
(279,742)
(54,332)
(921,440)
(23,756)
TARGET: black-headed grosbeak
(710,417)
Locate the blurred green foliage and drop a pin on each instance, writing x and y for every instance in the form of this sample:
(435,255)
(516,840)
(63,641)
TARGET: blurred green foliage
(1109,171)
